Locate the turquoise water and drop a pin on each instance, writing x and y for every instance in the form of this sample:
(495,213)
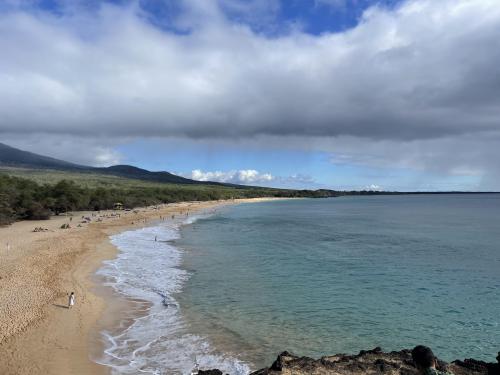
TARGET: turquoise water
(318,277)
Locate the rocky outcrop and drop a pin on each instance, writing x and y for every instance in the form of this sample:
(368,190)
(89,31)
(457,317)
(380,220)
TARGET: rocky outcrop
(369,362)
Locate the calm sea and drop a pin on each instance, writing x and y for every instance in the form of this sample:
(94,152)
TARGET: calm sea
(319,277)
(315,277)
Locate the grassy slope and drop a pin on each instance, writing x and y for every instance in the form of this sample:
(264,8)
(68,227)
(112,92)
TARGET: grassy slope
(108,182)
(90,180)
(95,180)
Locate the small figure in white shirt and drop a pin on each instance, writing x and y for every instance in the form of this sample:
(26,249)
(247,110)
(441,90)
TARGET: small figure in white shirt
(71,301)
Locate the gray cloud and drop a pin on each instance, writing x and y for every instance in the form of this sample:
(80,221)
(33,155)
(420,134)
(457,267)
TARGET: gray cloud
(425,70)
(93,151)
(406,87)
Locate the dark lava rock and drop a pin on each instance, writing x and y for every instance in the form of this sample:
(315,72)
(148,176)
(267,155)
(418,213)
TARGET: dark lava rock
(369,362)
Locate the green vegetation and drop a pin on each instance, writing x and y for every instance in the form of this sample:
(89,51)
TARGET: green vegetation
(83,179)
(44,193)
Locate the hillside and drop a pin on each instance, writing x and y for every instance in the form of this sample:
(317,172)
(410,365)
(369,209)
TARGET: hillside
(11,157)
(129,171)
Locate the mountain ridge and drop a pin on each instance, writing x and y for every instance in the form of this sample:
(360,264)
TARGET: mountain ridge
(14,157)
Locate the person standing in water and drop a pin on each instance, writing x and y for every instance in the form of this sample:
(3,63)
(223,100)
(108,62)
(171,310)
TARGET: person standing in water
(71,301)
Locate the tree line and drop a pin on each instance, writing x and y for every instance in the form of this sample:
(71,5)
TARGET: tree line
(24,199)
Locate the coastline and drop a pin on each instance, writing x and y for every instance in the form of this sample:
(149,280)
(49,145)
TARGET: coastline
(37,332)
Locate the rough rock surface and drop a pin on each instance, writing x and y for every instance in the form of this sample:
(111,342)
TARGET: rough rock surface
(369,362)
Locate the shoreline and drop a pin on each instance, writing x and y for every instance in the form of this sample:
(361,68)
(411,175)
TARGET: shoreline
(37,269)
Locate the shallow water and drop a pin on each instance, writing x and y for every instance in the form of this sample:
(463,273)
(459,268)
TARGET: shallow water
(336,275)
(159,341)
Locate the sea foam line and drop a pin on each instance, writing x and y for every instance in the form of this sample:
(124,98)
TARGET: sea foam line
(158,342)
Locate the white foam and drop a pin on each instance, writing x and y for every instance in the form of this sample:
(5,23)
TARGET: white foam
(159,342)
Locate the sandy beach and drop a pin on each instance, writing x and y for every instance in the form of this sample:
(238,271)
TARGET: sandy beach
(38,269)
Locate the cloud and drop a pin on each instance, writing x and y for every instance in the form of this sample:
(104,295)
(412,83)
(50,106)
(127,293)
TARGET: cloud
(243,176)
(252,177)
(85,151)
(373,187)
(105,157)
(414,85)
(467,155)
(298,179)
(424,70)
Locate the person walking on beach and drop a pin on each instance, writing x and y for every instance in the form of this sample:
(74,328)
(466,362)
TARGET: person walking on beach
(425,361)
(71,301)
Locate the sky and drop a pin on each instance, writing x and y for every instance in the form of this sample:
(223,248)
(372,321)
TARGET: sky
(342,94)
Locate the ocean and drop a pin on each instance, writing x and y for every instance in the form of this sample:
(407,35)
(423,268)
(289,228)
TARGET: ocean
(233,289)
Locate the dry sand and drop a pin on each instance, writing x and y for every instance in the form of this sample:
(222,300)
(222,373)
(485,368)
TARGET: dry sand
(38,333)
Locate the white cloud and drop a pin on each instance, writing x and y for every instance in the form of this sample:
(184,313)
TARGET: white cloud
(253,177)
(373,187)
(105,157)
(243,176)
